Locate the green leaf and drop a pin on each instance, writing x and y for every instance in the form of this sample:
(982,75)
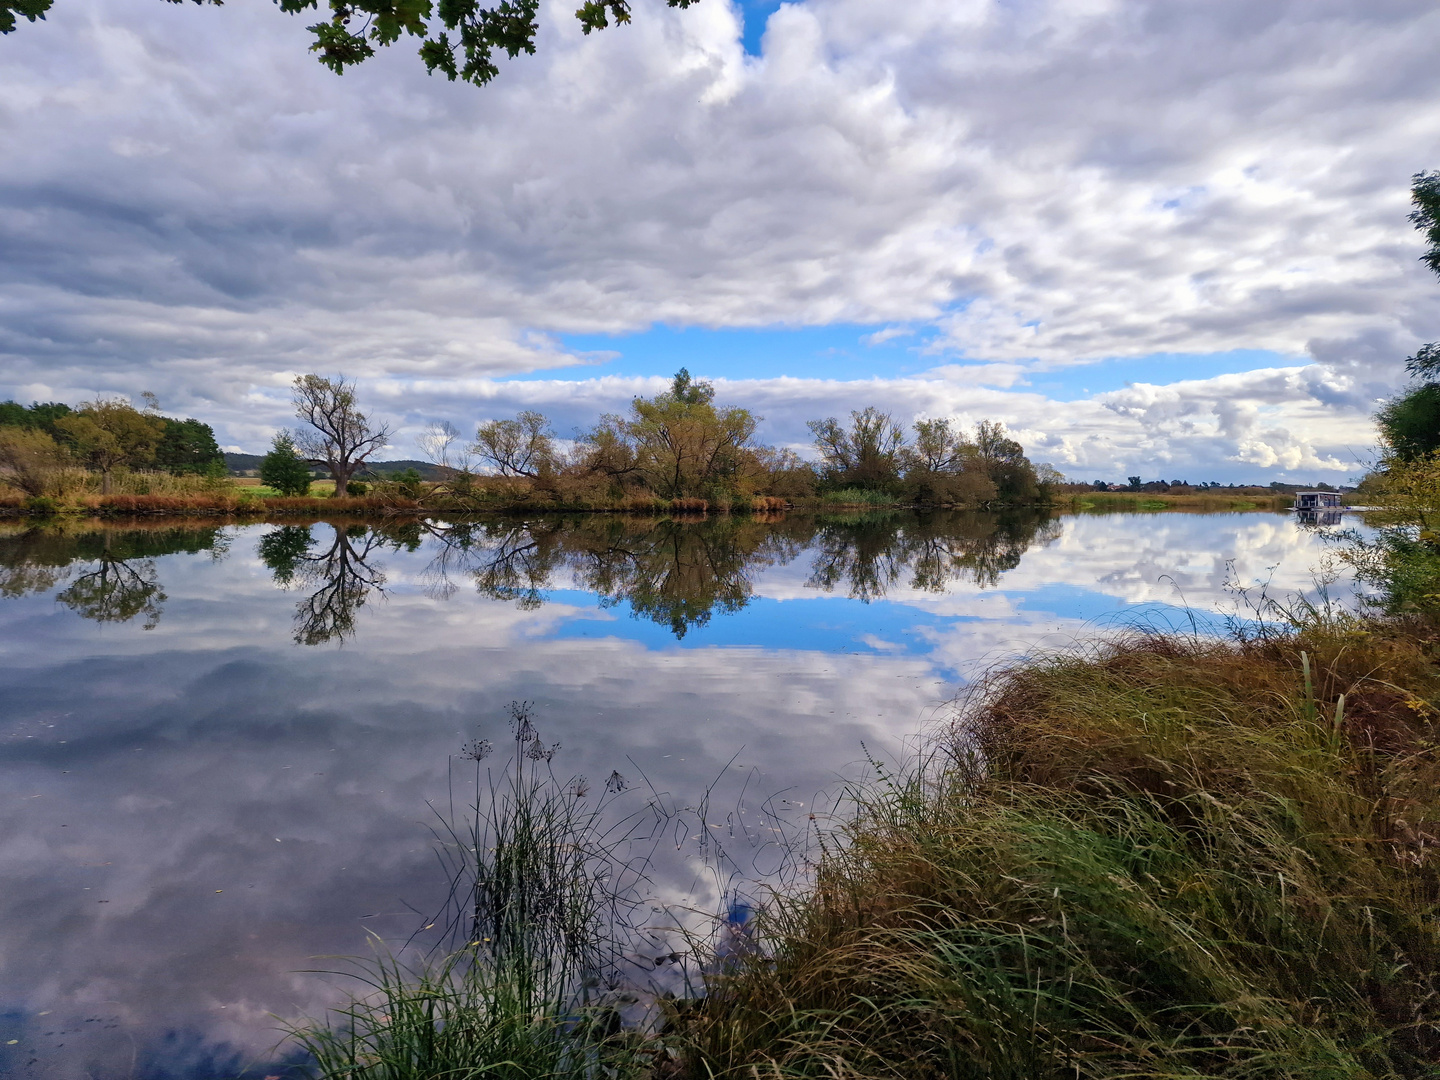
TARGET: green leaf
(31,9)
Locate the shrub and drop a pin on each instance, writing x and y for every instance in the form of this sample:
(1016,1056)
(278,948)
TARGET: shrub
(31,460)
(765,503)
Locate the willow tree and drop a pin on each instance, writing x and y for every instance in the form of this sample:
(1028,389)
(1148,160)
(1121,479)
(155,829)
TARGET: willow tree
(524,446)
(678,443)
(870,453)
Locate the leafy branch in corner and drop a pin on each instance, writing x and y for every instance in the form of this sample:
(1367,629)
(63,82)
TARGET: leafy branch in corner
(460,38)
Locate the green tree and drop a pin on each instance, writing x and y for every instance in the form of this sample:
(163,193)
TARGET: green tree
(31,460)
(685,446)
(283,469)
(678,444)
(1410,422)
(945,466)
(459,39)
(1005,462)
(111,433)
(39,415)
(188,447)
(339,435)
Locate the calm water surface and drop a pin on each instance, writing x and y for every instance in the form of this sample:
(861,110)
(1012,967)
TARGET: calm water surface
(220,746)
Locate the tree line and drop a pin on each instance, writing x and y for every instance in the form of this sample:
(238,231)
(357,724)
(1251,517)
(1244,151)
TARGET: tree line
(39,442)
(683,446)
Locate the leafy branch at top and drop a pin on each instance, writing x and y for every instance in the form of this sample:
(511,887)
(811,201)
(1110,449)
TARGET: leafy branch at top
(460,37)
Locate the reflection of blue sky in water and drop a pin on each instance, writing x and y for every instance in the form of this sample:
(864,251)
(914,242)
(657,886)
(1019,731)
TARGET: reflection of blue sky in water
(193,812)
(1100,573)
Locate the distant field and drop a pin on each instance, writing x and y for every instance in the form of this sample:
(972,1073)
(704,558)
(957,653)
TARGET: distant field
(1115,500)
(253,487)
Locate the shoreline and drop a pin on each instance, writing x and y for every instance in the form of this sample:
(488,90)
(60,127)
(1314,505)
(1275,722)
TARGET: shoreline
(390,507)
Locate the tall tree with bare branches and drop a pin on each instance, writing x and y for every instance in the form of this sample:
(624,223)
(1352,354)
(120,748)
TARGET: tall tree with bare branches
(339,435)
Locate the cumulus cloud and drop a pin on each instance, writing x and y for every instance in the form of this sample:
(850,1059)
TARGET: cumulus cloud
(191,205)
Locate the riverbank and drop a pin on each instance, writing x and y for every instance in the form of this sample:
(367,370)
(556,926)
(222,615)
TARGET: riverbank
(248,503)
(1159,857)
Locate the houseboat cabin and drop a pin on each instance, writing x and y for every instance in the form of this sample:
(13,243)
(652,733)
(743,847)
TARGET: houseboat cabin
(1317,500)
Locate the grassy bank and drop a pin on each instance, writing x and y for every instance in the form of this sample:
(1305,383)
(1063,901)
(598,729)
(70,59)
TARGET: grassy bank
(1165,858)
(1113,501)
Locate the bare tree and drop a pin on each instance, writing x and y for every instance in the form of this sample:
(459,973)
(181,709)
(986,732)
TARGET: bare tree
(340,435)
(442,445)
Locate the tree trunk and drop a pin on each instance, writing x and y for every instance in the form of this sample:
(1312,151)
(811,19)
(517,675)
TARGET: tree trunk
(104,481)
(342,480)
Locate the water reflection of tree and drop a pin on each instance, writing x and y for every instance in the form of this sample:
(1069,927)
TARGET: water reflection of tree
(867,556)
(673,572)
(112,572)
(340,575)
(117,590)
(678,573)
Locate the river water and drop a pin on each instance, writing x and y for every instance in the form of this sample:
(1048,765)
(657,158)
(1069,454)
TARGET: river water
(223,748)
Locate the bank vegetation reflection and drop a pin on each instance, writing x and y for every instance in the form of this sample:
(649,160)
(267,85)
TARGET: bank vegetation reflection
(675,572)
(110,575)
(678,573)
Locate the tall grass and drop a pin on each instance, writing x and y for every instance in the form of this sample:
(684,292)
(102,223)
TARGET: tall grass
(1165,858)
(541,887)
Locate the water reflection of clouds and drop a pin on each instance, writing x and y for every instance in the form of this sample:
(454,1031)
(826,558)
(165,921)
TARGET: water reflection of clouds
(213,753)
(296,781)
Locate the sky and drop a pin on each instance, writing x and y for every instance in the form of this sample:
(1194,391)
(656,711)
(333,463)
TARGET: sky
(1162,238)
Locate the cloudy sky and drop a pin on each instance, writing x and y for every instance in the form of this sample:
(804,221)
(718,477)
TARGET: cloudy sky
(1164,238)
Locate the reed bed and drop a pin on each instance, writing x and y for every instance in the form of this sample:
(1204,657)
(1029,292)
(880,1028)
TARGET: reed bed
(1161,858)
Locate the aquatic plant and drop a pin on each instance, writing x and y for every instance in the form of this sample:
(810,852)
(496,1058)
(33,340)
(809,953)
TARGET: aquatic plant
(544,878)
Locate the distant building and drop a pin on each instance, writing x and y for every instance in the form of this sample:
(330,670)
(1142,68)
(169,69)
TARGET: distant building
(1317,500)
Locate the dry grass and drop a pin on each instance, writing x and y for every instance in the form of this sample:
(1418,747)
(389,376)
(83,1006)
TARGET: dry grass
(766,504)
(1167,858)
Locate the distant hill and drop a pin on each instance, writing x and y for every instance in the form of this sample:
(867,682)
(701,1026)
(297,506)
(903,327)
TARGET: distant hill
(249,465)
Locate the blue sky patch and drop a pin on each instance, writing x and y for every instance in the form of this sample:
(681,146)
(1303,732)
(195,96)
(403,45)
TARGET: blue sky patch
(756,14)
(838,351)
(861,351)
